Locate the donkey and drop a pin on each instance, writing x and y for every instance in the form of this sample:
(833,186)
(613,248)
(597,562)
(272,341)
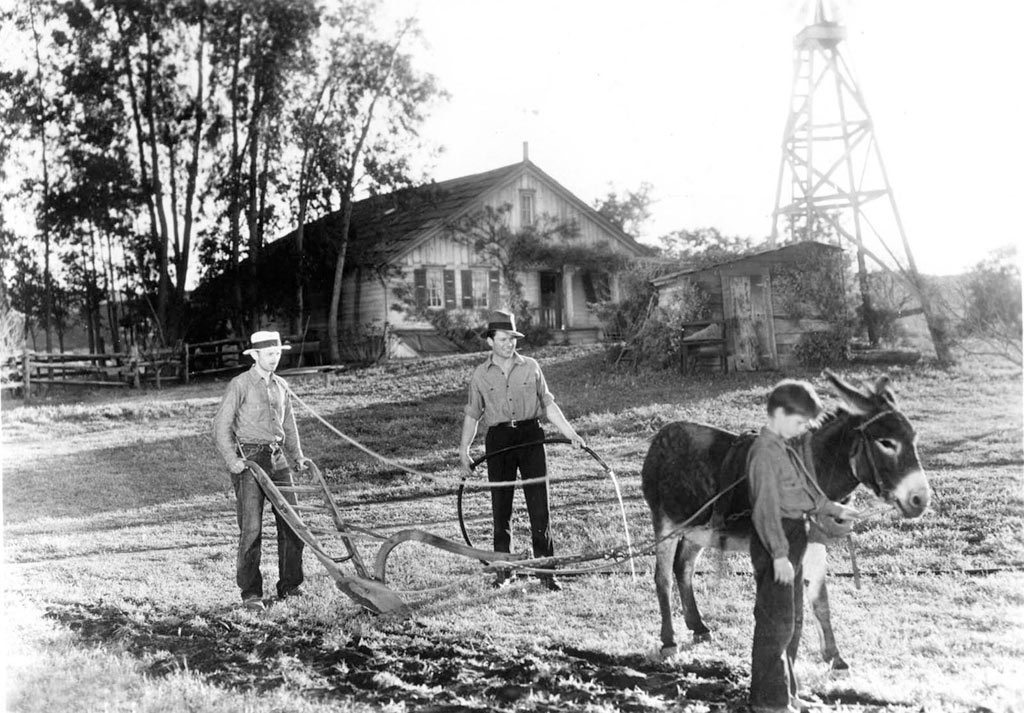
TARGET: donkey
(867,441)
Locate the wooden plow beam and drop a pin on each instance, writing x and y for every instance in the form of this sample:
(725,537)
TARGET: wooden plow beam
(367,592)
(365,588)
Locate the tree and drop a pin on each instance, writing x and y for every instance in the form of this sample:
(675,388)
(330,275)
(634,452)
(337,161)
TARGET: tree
(703,246)
(629,212)
(316,126)
(380,109)
(992,301)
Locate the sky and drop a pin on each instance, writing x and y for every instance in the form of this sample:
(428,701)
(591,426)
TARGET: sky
(692,96)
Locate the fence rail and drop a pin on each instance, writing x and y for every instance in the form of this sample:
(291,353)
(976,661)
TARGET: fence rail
(134,369)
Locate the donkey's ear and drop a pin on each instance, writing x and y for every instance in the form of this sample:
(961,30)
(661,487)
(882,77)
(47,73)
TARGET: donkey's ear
(856,401)
(883,389)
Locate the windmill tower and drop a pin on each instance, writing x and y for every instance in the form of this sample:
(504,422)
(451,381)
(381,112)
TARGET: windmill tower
(832,180)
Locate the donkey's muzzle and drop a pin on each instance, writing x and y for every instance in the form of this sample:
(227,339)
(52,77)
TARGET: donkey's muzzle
(912,495)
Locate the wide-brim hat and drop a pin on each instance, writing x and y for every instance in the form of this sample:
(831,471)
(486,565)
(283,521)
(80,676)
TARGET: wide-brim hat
(265,340)
(502,321)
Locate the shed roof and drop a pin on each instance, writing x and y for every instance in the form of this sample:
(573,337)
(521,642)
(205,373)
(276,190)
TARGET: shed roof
(786,252)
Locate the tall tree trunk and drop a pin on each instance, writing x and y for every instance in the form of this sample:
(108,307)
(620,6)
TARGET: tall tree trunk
(113,304)
(348,190)
(162,239)
(182,265)
(339,272)
(140,140)
(305,170)
(252,208)
(47,248)
(235,182)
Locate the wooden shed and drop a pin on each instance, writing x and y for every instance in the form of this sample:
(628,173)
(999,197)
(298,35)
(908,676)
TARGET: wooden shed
(760,327)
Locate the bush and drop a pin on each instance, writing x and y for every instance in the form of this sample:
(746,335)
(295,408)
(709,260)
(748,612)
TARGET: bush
(992,298)
(464,327)
(363,344)
(817,349)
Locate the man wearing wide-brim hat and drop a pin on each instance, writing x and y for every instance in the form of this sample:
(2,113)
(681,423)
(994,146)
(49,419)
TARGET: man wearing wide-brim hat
(510,393)
(255,422)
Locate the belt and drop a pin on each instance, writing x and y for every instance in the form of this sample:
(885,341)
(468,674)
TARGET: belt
(260,446)
(516,424)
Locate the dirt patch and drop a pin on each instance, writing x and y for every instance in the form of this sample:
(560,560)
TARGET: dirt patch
(406,662)
(409,663)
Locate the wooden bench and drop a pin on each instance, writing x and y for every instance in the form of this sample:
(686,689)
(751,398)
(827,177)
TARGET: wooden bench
(701,339)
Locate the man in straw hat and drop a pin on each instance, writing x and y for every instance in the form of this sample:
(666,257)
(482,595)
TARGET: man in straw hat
(509,392)
(255,422)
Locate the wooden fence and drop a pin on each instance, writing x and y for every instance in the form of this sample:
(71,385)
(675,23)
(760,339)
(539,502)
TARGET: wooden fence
(134,370)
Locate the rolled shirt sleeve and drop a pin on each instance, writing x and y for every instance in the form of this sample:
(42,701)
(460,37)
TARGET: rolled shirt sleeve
(543,393)
(474,399)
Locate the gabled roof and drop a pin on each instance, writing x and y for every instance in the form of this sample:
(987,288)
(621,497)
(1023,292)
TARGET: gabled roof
(785,252)
(385,227)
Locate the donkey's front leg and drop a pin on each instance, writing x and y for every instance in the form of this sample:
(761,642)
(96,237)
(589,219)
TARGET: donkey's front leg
(815,563)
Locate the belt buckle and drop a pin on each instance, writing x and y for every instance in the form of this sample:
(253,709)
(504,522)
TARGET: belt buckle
(512,423)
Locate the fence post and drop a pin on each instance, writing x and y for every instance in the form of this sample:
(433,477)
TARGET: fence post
(184,362)
(26,380)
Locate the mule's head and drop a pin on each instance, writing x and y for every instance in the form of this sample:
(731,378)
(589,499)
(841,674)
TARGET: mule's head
(884,454)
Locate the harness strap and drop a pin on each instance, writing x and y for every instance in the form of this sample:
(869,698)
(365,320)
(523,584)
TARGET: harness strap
(861,445)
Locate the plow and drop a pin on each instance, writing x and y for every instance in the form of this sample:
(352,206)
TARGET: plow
(366,583)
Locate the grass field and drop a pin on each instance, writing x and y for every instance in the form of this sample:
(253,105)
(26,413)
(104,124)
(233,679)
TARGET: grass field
(119,542)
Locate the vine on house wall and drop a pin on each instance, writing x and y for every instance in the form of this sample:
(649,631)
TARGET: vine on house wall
(652,324)
(814,288)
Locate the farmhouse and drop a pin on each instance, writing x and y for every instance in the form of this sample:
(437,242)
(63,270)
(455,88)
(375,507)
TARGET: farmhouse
(405,261)
(754,316)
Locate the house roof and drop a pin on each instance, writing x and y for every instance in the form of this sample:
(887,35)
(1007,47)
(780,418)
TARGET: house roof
(385,227)
(786,252)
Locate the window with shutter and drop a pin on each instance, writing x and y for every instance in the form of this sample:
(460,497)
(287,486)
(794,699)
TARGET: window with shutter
(494,290)
(449,289)
(467,288)
(419,281)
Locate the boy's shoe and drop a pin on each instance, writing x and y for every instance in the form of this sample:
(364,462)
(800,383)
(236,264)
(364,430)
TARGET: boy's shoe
(291,593)
(254,604)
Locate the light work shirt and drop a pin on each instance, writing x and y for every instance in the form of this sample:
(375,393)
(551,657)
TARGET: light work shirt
(782,485)
(256,408)
(520,396)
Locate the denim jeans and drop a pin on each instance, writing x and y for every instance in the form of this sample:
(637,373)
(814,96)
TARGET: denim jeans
(778,620)
(531,462)
(249,499)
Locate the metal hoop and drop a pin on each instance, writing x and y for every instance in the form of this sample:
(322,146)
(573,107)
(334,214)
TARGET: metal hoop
(481,459)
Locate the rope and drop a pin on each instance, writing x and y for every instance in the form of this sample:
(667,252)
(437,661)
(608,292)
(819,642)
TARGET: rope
(354,442)
(614,554)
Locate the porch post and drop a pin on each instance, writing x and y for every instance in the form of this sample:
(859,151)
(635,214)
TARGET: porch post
(568,313)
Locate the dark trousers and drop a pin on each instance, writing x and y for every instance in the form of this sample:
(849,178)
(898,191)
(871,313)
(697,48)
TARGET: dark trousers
(778,620)
(531,463)
(249,499)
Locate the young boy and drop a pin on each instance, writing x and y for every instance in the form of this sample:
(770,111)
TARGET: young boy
(783,493)
(255,422)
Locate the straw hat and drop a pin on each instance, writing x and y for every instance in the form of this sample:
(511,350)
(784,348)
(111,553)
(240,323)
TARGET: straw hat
(265,340)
